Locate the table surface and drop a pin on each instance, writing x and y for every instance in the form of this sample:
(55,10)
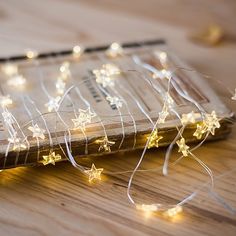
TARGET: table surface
(57,200)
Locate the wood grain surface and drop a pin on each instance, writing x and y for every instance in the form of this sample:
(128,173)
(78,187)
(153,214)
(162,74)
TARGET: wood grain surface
(58,200)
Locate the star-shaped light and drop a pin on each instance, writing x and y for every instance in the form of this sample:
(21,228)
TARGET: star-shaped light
(147,208)
(37,132)
(53,103)
(16,80)
(190,118)
(154,139)
(18,145)
(168,100)
(7,116)
(201,129)
(51,158)
(211,122)
(162,116)
(94,173)
(5,100)
(104,76)
(65,70)
(162,56)
(174,211)
(183,147)
(10,69)
(84,118)
(60,86)
(115,50)
(105,144)
(234,96)
(115,101)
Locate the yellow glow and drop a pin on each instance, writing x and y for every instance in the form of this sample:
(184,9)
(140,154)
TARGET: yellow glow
(17,144)
(183,147)
(189,118)
(94,173)
(154,139)
(30,54)
(16,81)
(51,158)
(174,211)
(115,50)
(10,69)
(105,144)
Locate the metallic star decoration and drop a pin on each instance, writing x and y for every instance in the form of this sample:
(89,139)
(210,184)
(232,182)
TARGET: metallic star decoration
(84,118)
(115,50)
(154,139)
(201,129)
(211,122)
(5,101)
(51,158)
(162,116)
(105,144)
(53,104)
(94,173)
(115,101)
(37,132)
(183,147)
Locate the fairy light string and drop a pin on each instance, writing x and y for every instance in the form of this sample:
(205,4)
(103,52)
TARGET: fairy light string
(105,77)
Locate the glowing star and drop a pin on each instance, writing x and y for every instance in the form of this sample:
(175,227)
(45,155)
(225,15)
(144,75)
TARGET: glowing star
(53,104)
(37,132)
(17,144)
(5,101)
(94,173)
(211,122)
(174,211)
(115,50)
(154,139)
(8,118)
(85,117)
(51,158)
(168,101)
(190,118)
(65,70)
(105,144)
(183,147)
(162,116)
(115,101)
(60,86)
(201,129)
(162,56)
(234,96)
(77,51)
(148,208)
(10,69)
(16,80)
(105,75)
(31,54)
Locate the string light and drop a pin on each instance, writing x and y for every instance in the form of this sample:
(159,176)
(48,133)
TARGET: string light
(16,81)
(147,208)
(115,101)
(105,144)
(51,158)
(10,69)
(174,211)
(37,132)
(183,147)
(17,144)
(189,118)
(199,131)
(65,70)
(31,54)
(60,86)
(154,139)
(162,116)
(5,101)
(84,118)
(94,173)
(53,103)
(77,51)
(114,50)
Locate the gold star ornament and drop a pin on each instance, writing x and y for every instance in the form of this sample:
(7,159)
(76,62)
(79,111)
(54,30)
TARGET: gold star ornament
(183,147)
(105,144)
(51,158)
(94,173)
(154,139)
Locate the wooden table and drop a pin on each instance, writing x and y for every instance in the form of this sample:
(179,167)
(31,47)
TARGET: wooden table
(58,200)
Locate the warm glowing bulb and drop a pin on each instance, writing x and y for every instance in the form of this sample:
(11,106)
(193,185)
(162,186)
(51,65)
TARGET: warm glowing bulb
(5,101)
(37,132)
(115,50)
(17,144)
(154,139)
(77,51)
(51,158)
(183,147)
(174,211)
(147,207)
(60,86)
(65,70)
(190,118)
(105,144)
(16,81)
(94,173)
(53,104)
(30,54)
(10,69)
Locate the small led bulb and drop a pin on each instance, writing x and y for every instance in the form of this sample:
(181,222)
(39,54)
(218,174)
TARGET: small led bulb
(16,81)
(174,211)
(10,69)
(115,50)
(31,54)
(77,51)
